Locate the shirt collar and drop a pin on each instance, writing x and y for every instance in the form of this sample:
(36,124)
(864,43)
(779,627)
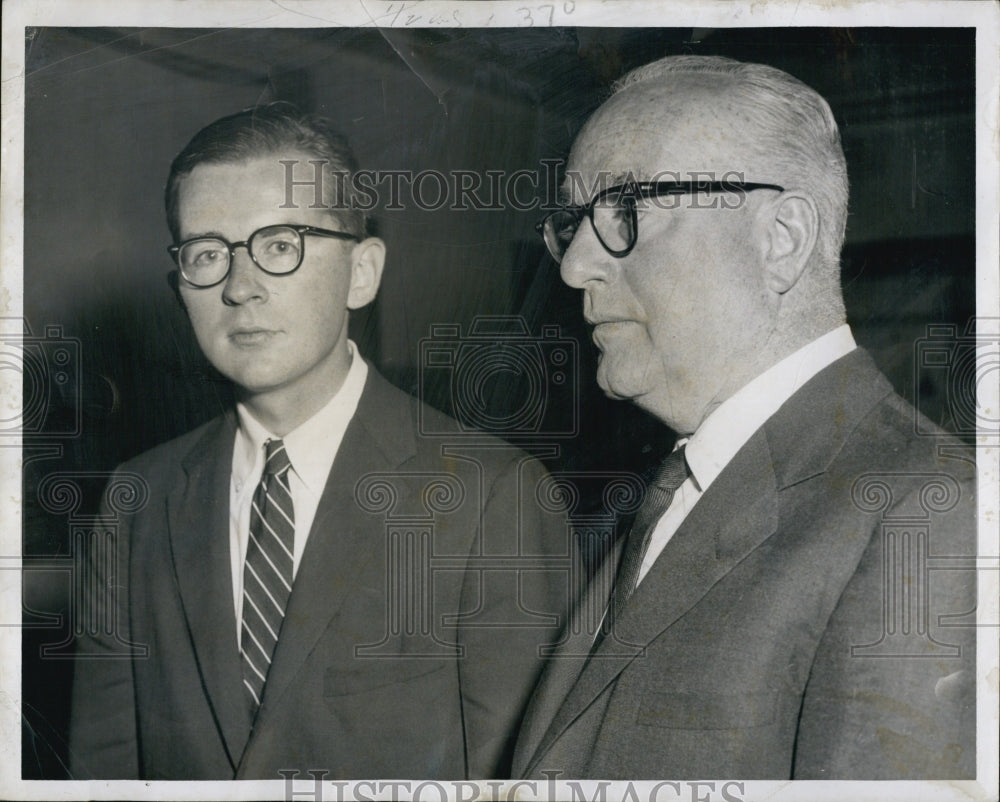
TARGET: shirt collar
(312,445)
(725,431)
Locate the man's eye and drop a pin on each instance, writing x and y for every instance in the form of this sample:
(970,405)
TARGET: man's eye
(207,257)
(280,247)
(567,232)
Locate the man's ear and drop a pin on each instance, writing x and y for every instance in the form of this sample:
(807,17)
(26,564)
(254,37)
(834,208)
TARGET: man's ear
(367,261)
(792,232)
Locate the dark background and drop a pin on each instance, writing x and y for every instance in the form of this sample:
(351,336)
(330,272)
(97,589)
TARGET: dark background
(107,109)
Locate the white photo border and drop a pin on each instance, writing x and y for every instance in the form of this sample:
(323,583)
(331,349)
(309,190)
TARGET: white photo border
(983,16)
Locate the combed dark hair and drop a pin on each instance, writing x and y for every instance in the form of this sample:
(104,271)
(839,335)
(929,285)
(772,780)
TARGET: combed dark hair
(280,128)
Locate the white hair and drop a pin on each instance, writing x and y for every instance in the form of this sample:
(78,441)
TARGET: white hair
(792,131)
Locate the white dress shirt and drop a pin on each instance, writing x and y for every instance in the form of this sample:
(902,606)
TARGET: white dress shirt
(726,430)
(311,448)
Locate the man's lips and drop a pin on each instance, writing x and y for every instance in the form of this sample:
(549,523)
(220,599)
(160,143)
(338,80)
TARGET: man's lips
(251,335)
(607,328)
(608,324)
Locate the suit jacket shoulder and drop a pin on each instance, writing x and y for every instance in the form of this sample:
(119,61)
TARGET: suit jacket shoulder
(891,693)
(409,644)
(790,627)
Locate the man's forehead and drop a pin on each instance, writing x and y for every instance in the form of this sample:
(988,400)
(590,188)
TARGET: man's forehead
(661,131)
(579,187)
(293,176)
(235,197)
(266,165)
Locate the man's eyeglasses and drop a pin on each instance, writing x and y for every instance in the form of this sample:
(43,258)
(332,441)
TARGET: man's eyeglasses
(613,215)
(278,250)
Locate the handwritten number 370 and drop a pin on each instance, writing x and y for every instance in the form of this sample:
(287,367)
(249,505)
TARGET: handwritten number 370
(528,18)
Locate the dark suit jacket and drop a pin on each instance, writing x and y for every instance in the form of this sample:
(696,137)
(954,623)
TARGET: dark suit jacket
(374,675)
(805,621)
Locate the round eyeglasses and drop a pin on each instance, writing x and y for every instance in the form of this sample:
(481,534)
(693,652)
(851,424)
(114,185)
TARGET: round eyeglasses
(278,250)
(613,215)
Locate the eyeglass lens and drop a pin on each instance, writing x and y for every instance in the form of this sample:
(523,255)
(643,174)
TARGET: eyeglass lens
(613,221)
(276,249)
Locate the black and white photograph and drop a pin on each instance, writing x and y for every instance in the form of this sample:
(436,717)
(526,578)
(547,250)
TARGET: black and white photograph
(500,400)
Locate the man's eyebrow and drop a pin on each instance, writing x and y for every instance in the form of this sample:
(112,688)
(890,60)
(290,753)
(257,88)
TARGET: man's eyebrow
(602,182)
(624,178)
(204,235)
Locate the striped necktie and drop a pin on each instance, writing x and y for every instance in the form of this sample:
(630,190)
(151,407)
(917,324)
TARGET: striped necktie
(267,573)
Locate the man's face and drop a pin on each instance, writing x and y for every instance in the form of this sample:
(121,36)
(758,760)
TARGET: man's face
(672,319)
(284,334)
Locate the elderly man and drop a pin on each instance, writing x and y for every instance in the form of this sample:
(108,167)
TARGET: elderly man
(767,619)
(266,614)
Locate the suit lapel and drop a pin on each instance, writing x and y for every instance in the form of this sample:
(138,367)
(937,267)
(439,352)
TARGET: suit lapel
(571,654)
(379,437)
(736,514)
(198,521)
(568,660)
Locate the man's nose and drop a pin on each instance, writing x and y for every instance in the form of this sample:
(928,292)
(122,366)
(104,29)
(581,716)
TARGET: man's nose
(243,283)
(585,259)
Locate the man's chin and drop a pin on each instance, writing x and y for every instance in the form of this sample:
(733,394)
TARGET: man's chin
(617,390)
(616,396)
(249,383)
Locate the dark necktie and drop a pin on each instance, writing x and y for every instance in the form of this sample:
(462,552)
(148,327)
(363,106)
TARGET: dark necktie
(267,573)
(659,494)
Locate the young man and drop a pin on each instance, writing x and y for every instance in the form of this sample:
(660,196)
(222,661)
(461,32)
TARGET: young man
(260,584)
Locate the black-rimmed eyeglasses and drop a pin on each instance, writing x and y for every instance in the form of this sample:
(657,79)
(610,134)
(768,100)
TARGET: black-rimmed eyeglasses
(613,216)
(278,250)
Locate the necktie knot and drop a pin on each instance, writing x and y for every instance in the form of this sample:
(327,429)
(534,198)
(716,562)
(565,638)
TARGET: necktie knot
(673,472)
(276,461)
